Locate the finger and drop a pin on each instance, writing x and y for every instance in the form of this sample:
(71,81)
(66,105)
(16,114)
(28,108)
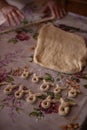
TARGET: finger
(15,17)
(19,13)
(7,16)
(64,11)
(61,13)
(10,19)
(64,6)
(52,11)
(57,13)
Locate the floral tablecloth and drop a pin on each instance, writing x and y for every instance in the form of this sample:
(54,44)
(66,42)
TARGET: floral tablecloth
(16,54)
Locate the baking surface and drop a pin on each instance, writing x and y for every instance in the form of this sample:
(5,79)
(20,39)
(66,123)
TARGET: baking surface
(16,51)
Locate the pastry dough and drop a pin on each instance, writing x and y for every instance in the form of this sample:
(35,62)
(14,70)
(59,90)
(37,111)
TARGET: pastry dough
(59,50)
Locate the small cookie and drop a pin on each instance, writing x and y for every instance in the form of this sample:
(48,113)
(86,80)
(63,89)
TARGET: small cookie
(63,110)
(20,92)
(58,89)
(25,74)
(9,88)
(31,99)
(35,78)
(45,86)
(64,107)
(72,93)
(45,104)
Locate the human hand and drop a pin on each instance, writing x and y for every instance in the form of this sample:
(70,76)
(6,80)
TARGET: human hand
(57,8)
(13,15)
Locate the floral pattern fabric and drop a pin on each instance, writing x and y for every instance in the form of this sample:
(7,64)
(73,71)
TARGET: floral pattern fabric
(16,53)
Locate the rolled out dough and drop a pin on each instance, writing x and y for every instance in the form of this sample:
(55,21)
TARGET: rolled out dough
(59,50)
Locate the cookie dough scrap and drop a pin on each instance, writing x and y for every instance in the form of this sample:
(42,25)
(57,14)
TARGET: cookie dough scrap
(59,50)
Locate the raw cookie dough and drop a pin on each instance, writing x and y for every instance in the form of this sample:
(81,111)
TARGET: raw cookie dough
(59,50)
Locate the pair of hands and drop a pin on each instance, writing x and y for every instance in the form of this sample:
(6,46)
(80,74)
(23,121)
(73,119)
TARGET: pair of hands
(14,16)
